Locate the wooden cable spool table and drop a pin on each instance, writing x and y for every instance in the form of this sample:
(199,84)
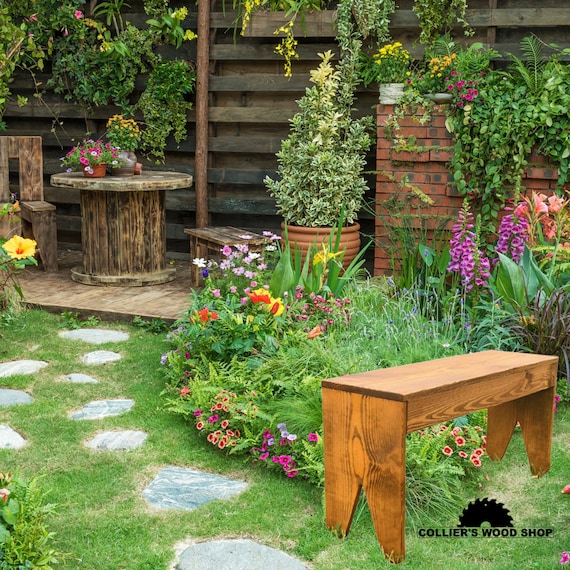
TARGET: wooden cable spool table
(123,227)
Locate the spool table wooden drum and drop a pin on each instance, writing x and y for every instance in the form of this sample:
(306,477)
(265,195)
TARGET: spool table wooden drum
(123,227)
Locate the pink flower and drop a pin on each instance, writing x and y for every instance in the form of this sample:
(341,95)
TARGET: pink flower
(447,450)
(476,461)
(78,14)
(313,437)
(564,558)
(460,441)
(555,204)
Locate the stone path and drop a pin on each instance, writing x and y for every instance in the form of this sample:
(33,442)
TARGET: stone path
(172,488)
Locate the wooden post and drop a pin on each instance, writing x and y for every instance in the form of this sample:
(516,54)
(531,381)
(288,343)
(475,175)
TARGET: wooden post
(201,156)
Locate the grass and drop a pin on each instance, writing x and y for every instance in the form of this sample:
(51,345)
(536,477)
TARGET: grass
(102,521)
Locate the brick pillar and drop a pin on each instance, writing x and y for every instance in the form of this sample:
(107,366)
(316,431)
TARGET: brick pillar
(423,167)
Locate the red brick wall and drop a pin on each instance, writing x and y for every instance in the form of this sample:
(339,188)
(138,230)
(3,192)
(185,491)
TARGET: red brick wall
(428,172)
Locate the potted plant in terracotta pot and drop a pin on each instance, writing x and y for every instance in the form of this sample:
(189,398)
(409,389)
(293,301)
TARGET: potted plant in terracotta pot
(321,163)
(92,158)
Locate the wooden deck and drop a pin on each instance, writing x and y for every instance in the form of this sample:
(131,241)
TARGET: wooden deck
(57,293)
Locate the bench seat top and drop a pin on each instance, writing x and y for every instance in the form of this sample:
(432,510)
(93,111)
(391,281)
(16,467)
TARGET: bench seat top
(439,390)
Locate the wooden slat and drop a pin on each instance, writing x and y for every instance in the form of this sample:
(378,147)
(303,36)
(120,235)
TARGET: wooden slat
(237,176)
(231,52)
(4,171)
(242,144)
(269,83)
(280,114)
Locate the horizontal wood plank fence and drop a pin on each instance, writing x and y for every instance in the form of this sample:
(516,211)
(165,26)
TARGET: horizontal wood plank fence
(250,104)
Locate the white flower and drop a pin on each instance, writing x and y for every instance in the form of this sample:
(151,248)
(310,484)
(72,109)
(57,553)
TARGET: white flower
(199,261)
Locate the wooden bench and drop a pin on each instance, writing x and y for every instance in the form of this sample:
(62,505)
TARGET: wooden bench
(37,216)
(213,239)
(366,418)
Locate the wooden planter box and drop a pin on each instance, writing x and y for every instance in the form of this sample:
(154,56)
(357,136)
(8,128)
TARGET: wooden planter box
(427,171)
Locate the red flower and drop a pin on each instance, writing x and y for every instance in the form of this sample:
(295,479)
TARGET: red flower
(447,450)
(206,315)
(476,461)
(184,391)
(260,296)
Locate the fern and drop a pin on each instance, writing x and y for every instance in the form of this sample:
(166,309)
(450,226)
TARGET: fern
(530,68)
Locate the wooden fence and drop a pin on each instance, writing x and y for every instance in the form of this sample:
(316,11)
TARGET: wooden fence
(249,105)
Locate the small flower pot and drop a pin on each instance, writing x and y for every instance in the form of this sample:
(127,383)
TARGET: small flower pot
(95,171)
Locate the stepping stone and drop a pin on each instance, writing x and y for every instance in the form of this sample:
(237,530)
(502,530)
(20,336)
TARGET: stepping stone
(115,440)
(14,397)
(239,554)
(101,357)
(186,489)
(95,336)
(99,409)
(21,367)
(10,439)
(81,379)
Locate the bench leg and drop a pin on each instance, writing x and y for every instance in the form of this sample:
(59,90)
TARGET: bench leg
(41,226)
(535,414)
(365,447)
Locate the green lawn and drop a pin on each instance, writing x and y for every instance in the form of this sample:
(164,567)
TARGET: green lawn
(102,521)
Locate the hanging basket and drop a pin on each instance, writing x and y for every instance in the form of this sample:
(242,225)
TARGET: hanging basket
(390,93)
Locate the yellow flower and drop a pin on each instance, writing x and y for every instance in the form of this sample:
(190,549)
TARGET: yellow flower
(18,247)
(324,256)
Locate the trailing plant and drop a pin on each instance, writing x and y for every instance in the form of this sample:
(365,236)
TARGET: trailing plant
(165,105)
(96,58)
(18,50)
(437,18)
(513,112)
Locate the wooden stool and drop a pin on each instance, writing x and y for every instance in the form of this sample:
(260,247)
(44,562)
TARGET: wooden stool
(213,239)
(39,224)
(366,418)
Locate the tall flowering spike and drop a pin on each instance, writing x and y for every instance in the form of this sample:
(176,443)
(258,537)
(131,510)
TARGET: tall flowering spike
(513,235)
(467,259)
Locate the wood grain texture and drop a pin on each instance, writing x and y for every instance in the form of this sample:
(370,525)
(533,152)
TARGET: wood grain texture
(366,418)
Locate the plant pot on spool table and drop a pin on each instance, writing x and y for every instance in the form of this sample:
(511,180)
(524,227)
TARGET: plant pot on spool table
(129,159)
(302,237)
(96,171)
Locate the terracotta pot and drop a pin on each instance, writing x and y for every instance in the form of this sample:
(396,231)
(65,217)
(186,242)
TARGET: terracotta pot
(98,171)
(127,169)
(303,237)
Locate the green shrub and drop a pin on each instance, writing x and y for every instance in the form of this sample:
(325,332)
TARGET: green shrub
(25,542)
